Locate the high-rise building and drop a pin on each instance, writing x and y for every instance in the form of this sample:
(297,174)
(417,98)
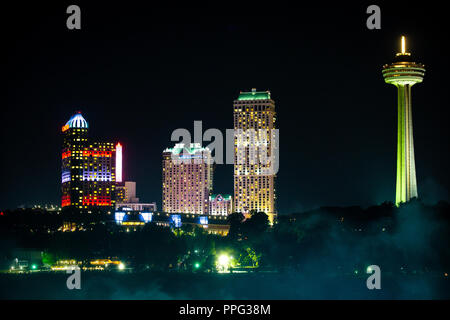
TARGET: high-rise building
(404,73)
(254,180)
(220,205)
(187,179)
(88,169)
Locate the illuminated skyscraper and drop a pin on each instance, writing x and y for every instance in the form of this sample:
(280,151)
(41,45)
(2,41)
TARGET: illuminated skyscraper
(88,169)
(254,184)
(404,73)
(187,179)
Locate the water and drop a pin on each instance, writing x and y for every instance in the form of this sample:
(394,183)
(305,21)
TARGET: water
(152,285)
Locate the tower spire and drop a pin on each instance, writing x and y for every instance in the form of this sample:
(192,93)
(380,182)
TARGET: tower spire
(403,48)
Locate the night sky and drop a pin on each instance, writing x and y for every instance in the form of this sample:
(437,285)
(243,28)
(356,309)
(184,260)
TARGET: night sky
(137,72)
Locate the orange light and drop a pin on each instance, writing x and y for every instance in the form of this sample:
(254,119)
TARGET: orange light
(88,153)
(65,128)
(66,154)
(93,201)
(65,201)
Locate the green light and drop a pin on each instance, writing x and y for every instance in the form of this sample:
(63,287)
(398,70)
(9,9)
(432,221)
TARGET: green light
(224,196)
(197,265)
(34,267)
(356,271)
(254,95)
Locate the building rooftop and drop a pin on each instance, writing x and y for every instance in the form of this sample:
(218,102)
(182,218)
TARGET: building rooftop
(254,95)
(224,196)
(193,148)
(77,121)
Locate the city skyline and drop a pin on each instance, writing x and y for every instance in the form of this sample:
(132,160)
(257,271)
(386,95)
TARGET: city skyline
(241,153)
(337,139)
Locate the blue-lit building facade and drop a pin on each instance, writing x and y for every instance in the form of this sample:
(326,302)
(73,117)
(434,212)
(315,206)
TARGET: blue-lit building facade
(132,220)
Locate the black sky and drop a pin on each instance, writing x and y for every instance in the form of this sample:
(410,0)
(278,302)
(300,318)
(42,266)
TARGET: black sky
(138,71)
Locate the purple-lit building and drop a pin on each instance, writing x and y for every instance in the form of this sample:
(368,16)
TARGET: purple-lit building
(187,179)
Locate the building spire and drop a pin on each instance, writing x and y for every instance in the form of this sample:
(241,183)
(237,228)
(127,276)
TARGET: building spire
(403,48)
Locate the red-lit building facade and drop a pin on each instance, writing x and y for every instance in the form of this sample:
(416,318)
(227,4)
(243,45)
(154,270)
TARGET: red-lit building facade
(88,169)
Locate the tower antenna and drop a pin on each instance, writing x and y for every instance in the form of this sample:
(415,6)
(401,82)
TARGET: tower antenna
(403,48)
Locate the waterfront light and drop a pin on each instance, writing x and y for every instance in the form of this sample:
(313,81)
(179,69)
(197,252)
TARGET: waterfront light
(121,266)
(223,262)
(223,259)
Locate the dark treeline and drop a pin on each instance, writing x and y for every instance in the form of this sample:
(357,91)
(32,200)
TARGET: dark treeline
(413,238)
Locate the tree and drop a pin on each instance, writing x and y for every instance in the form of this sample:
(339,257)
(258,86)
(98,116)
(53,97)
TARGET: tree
(235,220)
(257,224)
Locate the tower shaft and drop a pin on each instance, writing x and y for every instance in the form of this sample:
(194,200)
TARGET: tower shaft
(406,187)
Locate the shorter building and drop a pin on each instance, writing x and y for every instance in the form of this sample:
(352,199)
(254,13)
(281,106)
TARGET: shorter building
(134,220)
(187,179)
(128,217)
(120,192)
(130,192)
(25,259)
(221,205)
(126,198)
(126,192)
(137,206)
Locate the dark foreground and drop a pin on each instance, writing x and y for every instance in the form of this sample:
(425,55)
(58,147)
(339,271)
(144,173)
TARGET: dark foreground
(100,285)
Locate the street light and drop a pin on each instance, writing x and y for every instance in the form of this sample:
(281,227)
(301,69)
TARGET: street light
(121,266)
(223,262)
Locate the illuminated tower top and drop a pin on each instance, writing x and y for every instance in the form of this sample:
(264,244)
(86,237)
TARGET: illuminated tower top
(403,71)
(76,121)
(403,48)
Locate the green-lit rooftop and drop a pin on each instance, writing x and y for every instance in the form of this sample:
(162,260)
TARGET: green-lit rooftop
(191,149)
(254,95)
(224,196)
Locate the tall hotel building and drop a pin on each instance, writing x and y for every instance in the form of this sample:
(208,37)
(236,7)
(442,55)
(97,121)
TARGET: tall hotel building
(88,169)
(254,189)
(187,179)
